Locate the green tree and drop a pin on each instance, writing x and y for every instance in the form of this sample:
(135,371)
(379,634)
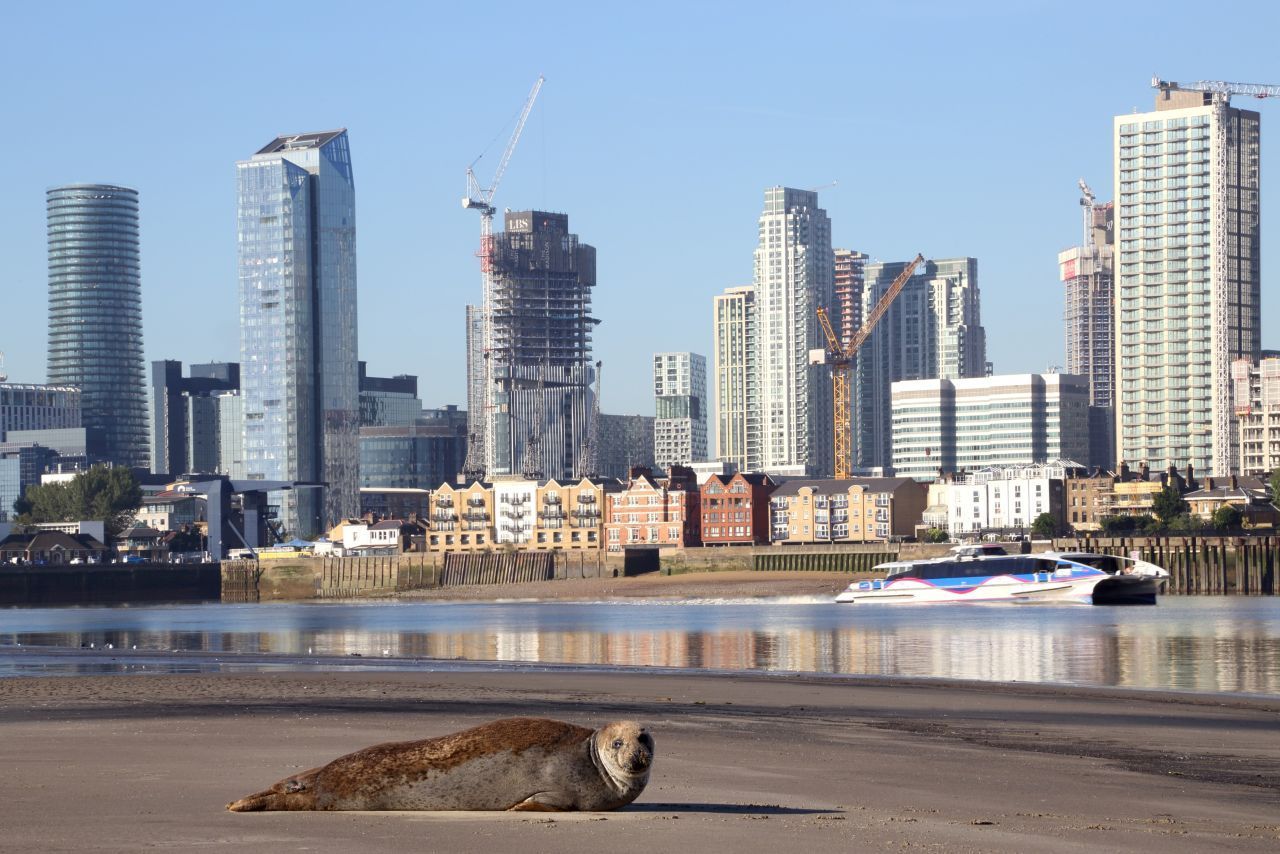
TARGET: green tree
(1186,523)
(1168,504)
(111,495)
(1275,486)
(1044,526)
(1226,517)
(936,535)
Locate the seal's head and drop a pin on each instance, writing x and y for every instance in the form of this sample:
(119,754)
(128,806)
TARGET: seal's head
(625,750)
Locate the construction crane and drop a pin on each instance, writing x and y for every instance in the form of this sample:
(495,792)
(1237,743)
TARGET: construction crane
(1220,92)
(479,446)
(841,360)
(1087,201)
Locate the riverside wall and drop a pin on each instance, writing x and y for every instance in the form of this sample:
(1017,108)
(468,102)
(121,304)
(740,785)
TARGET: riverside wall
(1197,565)
(110,584)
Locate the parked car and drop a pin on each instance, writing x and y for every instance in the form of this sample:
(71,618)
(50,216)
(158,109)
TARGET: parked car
(133,559)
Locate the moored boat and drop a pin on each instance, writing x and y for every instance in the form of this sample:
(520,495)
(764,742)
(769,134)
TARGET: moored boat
(980,578)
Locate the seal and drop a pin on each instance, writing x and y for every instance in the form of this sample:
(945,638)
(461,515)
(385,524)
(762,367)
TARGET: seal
(509,764)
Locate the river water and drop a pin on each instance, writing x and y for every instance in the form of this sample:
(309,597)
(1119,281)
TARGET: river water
(1201,644)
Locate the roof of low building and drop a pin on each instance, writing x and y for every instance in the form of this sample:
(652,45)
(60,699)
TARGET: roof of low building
(832,486)
(44,541)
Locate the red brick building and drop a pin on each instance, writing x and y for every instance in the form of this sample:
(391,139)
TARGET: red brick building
(653,511)
(735,509)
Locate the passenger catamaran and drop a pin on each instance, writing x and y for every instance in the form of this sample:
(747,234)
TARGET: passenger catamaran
(985,573)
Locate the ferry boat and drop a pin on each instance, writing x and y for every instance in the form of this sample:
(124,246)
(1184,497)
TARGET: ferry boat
(981,578)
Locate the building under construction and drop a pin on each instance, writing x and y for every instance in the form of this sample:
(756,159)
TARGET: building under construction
(1087,272)
(539,369)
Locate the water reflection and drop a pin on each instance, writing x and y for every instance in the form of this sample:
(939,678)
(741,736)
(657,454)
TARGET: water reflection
(1203,644)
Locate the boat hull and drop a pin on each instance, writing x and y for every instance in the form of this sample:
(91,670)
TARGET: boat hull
(1006,588)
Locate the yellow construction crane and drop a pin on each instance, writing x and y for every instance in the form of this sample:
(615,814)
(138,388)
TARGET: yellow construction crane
(841,359)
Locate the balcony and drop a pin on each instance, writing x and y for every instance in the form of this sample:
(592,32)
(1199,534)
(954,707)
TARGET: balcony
(589,513)
(475,502)
(444,517)
(551,500)
(586,498)
(553,513)
(476,516)
(444,501)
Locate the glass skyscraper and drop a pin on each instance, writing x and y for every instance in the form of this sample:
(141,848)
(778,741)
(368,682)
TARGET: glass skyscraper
(95,314)
(299,377)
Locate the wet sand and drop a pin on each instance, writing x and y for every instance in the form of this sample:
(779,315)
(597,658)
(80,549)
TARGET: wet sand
(744,763)
(734,584)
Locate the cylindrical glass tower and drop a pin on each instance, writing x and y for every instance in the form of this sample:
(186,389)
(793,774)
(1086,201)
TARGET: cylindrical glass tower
(95,314)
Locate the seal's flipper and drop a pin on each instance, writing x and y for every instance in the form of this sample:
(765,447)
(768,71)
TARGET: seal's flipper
(543,802)
(291,793)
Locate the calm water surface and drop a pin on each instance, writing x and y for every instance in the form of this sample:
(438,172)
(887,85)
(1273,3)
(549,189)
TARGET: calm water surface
(1201,644)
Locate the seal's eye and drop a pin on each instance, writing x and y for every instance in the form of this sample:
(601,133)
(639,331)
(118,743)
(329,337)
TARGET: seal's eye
(617,744)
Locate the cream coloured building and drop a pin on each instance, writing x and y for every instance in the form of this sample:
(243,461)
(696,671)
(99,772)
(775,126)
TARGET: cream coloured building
(1187,278)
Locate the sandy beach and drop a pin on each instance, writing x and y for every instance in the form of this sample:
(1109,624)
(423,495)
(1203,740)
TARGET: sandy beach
(744,763)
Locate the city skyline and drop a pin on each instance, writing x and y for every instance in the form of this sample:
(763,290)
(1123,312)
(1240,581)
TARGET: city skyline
(188,249)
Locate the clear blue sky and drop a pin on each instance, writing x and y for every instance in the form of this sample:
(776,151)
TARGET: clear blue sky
(952,129)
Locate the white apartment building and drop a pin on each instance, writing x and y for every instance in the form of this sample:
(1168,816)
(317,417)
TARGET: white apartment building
(1256,392)
(680,403)
(1004,498)
(986,422)
(932,330)
(1187,278)
(737,436)
(515,504)
(793,278)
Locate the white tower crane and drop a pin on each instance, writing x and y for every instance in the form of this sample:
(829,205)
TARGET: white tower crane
(480,442)
(1087,200)
(1220,92)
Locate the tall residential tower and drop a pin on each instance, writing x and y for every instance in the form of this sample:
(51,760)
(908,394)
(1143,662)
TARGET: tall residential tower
(1188,285)
(933,330)
(95,314)
(680,401)
(299,377)
(737,441)
(1088,274)
(793,279)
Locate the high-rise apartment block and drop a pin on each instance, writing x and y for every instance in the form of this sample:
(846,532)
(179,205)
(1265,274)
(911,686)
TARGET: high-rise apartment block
(1256,397)
(793,279)
(95,314)
(1087,272)
(537,402)
(680,402)
(847,286)
(734,356)
(186,425)
(297,259)
(1188,279)
(968,424)
(933,330)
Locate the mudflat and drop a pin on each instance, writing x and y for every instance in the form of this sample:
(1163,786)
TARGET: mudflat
(744,763)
